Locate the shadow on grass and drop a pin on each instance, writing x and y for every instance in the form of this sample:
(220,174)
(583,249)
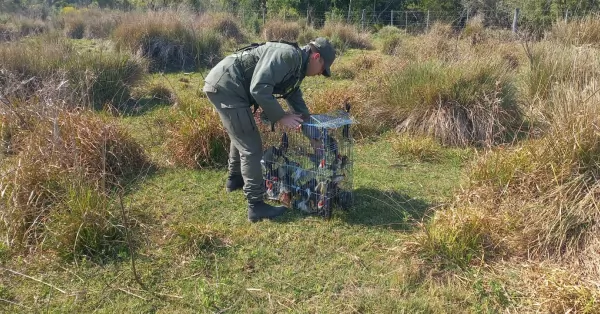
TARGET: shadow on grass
(393,209)
(378,208)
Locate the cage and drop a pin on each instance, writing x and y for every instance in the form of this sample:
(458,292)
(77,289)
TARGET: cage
(310,169)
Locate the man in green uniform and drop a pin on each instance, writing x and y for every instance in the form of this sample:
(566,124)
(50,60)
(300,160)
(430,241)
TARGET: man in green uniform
(256,76)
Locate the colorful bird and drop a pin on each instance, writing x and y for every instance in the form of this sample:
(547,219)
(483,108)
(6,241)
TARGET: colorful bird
(322,164)
(272,188)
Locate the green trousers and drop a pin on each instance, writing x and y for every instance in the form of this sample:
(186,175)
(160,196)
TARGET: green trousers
(245,150)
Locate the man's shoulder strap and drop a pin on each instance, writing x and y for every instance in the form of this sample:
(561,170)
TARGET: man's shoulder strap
(256,45)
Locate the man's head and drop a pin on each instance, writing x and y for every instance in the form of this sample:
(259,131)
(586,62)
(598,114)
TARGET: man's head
(321,57)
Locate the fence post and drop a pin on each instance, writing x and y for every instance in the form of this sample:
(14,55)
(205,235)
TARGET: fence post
(405,20)
(362,20)
(349,11)
(427,23)
(567,16)
(467,21)
(392,18)
(515,18)
(262,7)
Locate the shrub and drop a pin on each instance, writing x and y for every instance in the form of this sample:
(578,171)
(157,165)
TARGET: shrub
(281,30)
(66,161)
(539,199)
(307,34)
(168,42)
(224,25)
(197,138)
(92,78)
(458,105)
(344,36)
(388,31)
(475,29)
(391,44)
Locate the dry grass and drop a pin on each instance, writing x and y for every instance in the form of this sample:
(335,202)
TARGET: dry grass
(544,192)
(18,26)
(59,153)
(459,104)
(419,148)
(91,78)
(585,31)
(281,30)
(224,25)
(344,36)
(551,65)
(372,120)
(197,138)
(170,40)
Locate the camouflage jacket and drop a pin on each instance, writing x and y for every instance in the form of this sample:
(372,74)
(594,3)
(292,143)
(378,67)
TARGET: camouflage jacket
(258,75)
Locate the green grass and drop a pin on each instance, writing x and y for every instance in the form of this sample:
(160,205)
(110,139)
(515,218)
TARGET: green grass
(199,249)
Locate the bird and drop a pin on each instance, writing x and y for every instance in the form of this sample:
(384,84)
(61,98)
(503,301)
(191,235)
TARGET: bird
(285,196)
(302,205)
(322,164)
(272,188)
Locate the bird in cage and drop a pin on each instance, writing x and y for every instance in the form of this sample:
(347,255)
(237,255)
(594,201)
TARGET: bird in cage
(272,188)
(285,196)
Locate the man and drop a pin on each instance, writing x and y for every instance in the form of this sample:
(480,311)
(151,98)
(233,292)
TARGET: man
(253,76)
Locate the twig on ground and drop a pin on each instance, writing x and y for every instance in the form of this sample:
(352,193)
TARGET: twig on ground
(34,279)
(15,303)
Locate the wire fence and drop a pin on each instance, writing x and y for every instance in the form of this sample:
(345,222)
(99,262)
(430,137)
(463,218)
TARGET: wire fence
(415,21)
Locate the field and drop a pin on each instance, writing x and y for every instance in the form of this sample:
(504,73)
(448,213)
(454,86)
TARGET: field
(476,168)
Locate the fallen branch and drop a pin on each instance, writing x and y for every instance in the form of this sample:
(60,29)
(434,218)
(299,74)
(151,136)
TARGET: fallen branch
(34,279)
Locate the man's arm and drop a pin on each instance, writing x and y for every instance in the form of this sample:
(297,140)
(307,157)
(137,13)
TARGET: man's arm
(272,68)
(297,103)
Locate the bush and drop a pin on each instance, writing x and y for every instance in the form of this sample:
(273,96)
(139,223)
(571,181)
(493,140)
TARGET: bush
(457,104)
(391,44)
(552,180)
(168,42)
(344,36)
(224,25)
(93,78)
(66,161)
(281,30)
(455,238)
(197,138)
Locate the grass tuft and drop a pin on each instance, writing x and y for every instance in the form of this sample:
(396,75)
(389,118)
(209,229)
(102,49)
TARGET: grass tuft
(281,30)
(197,138)
(344,36)
(457,104)
(170,43)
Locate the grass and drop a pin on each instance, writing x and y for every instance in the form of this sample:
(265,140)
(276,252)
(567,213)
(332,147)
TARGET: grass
(202,249)
(433,230)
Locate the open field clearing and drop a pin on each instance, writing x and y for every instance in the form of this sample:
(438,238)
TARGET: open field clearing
(476,166)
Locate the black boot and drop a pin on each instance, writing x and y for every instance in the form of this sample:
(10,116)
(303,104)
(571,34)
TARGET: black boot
(234,182)
(261,210)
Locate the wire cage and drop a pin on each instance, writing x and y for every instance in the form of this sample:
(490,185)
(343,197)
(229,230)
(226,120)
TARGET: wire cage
(310,169)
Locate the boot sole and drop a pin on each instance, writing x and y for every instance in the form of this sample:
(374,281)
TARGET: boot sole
(229,190)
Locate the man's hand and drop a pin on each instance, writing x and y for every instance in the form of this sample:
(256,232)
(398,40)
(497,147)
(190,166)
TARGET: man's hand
(291,120)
